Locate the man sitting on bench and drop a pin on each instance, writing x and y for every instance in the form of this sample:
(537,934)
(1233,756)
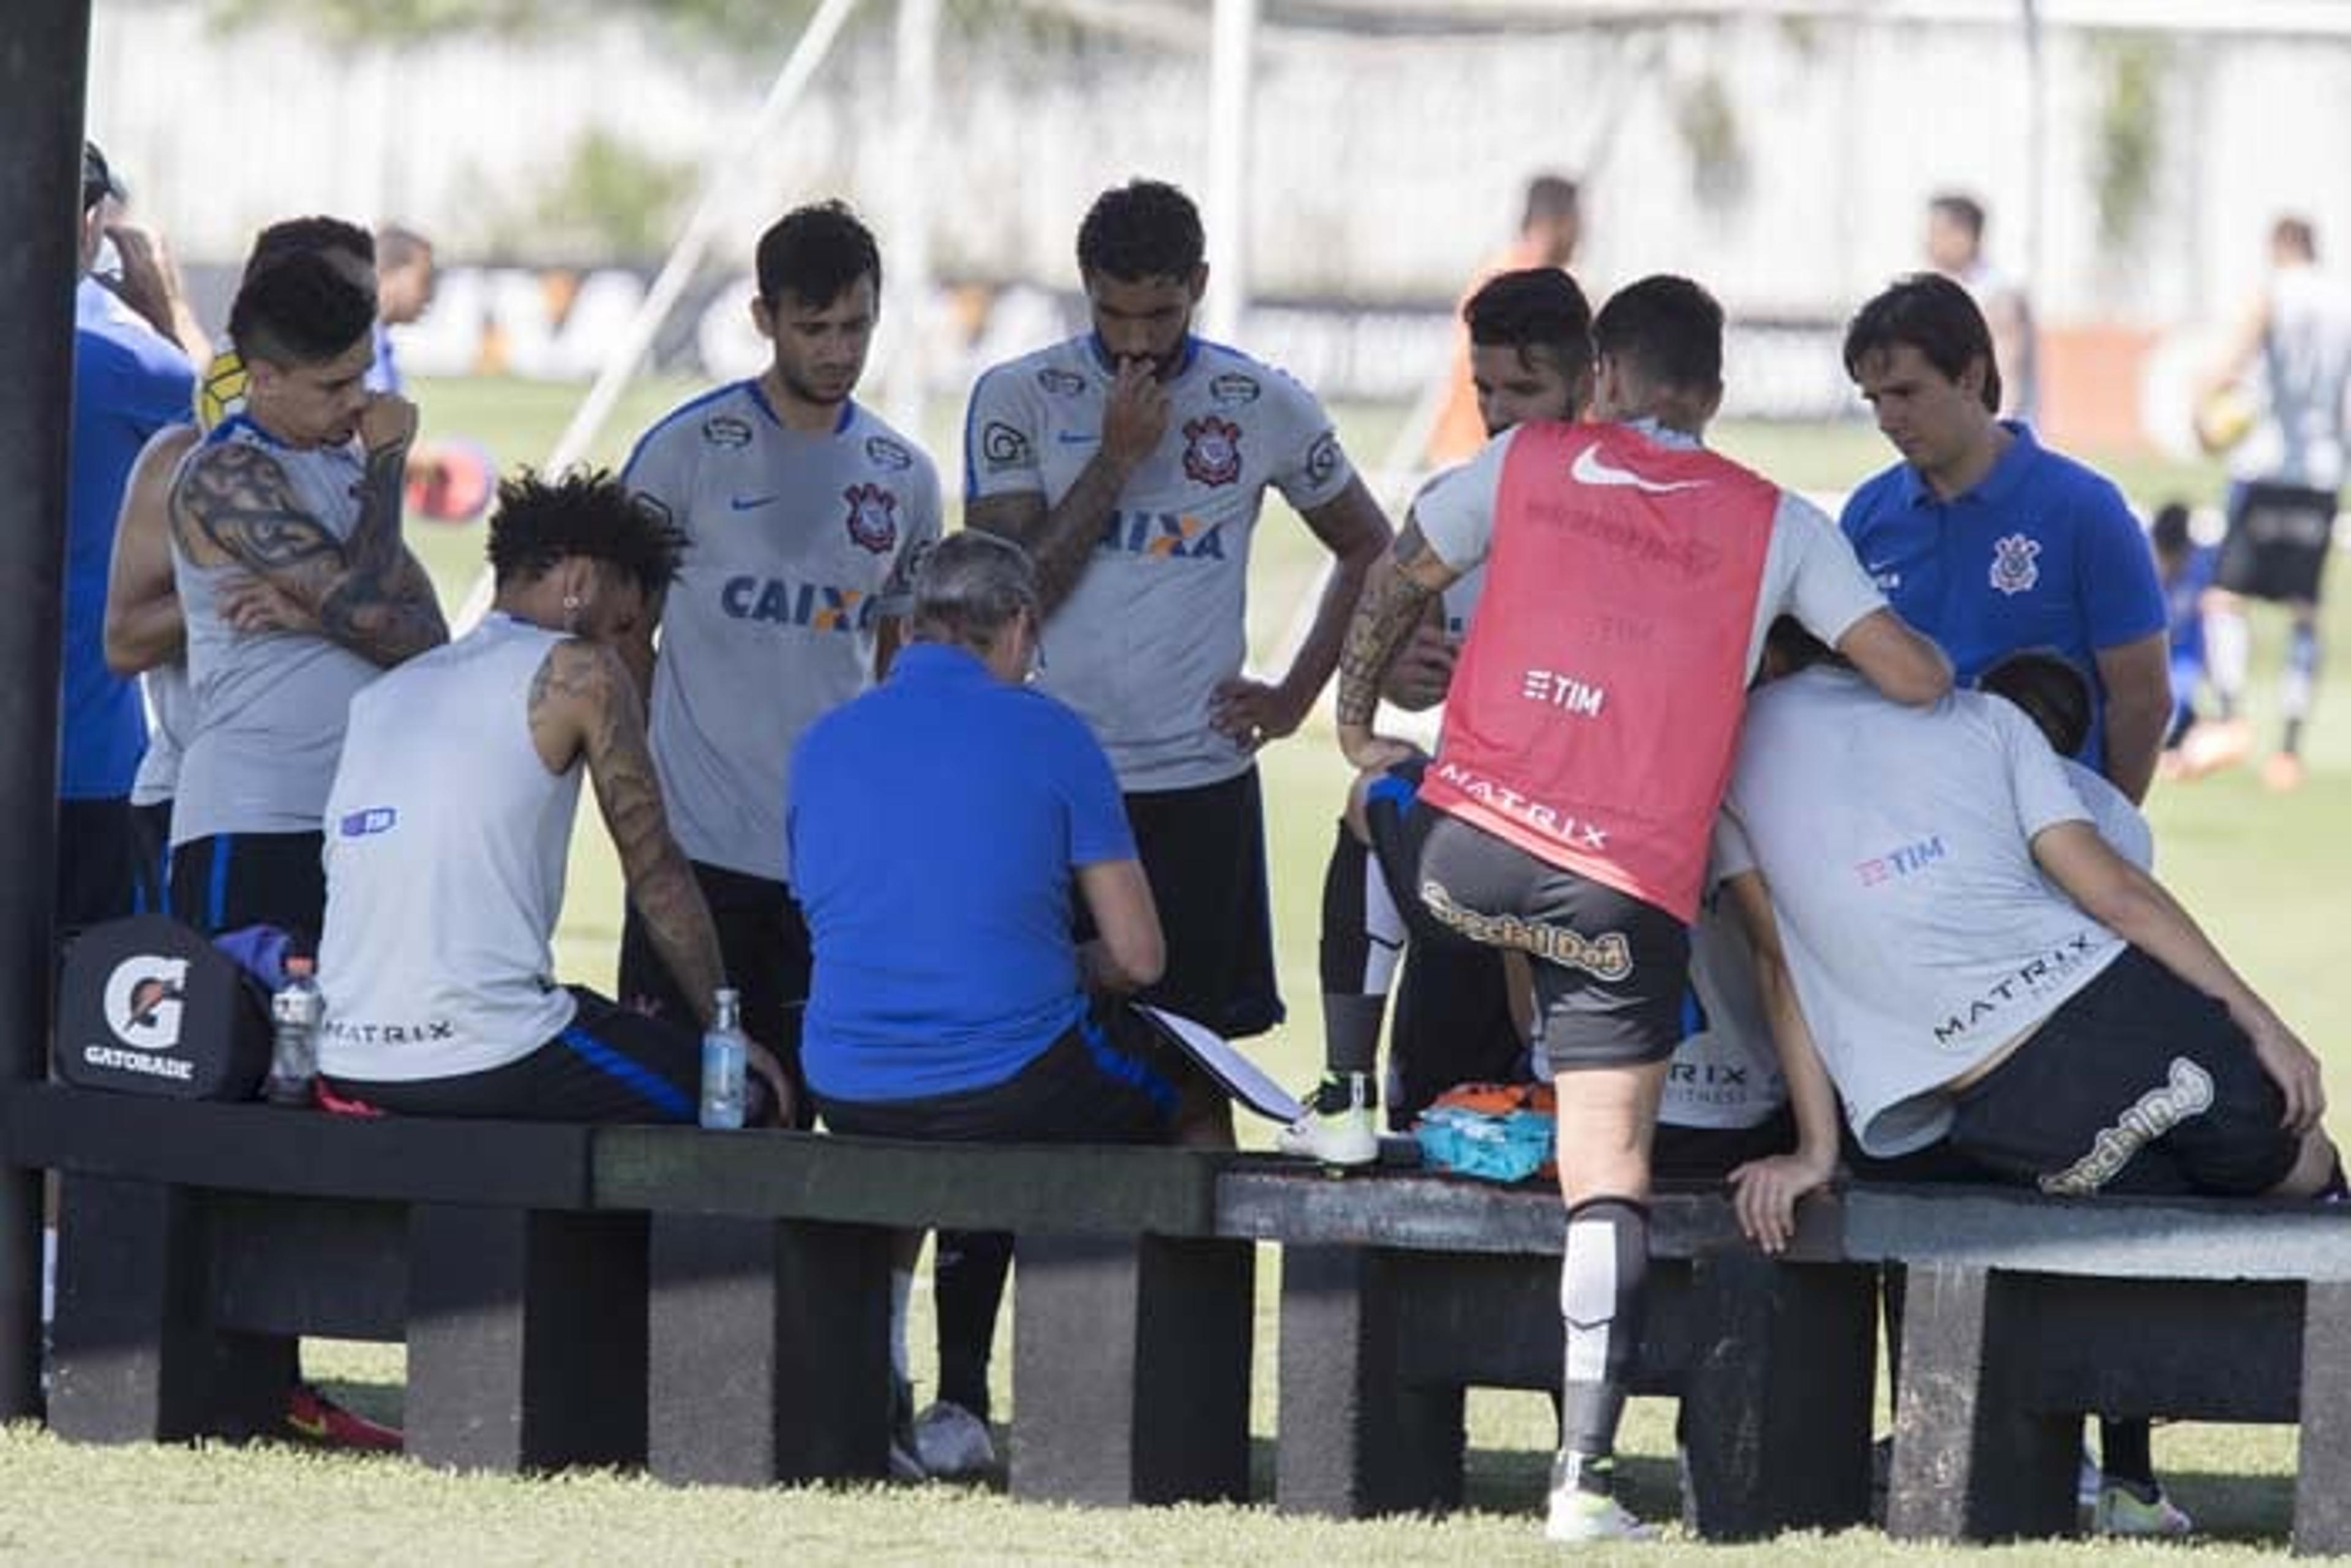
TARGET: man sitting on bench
(449,826)
(1940,927)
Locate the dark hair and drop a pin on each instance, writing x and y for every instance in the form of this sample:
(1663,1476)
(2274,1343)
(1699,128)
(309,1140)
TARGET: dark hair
(289,236)
(97,180)
(1537,308)
(1933,315)
(816,253)
(302,309)
(2168,533)
(2296,234)
(1961,209)
(2050,688)
(1141,230)
(1666,327)
(582,512)
(1549,196)
(397,247)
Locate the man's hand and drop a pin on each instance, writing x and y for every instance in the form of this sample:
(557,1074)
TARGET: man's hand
(251,606)
(1250,713)
(782,1104)
(2295,1069)
(1369,753)
(1765,1193)
(1135,416)
(388,424)
(1423,671)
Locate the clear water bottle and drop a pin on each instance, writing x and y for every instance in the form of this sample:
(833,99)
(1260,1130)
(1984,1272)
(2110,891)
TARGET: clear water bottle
(294,1054)
(726,1062)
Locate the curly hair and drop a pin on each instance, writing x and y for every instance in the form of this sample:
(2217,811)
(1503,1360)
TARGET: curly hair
(1142,230)
(582,512)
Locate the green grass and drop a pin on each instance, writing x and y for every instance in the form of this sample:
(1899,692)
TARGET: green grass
(2258,869)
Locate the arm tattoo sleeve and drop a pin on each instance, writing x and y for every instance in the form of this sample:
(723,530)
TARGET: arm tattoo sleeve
(377,608)
(1060,538)
(1393,604)
(237,498)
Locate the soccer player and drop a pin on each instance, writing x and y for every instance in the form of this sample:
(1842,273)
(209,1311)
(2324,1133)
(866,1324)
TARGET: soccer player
(289,511)
(404,279)
(1988,542)
(1530,354)
(2284,480)
(1551,226)
(803,513)
(1955,247)
(128,381)
(1589,737)
(2184,569)
(1132,463)
(452,815)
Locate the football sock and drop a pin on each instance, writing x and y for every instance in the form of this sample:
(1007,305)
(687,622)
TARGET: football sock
(2228,647)
(1602,1289)
(1362,939)
(967,1276)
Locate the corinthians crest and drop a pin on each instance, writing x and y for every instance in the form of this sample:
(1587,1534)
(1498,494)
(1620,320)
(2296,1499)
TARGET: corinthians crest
(1212,450)
(2015,563)
(873,516)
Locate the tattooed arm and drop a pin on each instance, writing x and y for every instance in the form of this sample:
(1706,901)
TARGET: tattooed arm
(1061,539)
(1397,596)
(234,506)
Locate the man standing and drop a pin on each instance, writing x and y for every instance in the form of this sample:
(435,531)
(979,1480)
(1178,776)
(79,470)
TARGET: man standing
(803,514)
(296,590)
(1132,463)
(404,279)
(1550,228)
(2284,479)
(1955,247)
(129,382)
(1589,738)
(446,865)
(1988,541)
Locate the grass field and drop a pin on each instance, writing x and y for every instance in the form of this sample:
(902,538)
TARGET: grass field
(2253,866)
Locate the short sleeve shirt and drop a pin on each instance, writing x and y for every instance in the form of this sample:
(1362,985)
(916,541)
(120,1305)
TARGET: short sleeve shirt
(799,546)
(937,824)
(1157,618)
(2042,553)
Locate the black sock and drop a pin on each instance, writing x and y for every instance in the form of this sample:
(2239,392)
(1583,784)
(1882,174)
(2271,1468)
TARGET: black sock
(967,1283)
(1363,938)
(2126,1454)
(1603,1290)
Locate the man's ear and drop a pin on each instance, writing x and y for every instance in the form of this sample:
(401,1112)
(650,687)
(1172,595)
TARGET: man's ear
(763,319)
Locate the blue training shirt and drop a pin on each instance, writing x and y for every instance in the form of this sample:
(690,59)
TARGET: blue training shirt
(936,824)
(2041,553)
(128,383)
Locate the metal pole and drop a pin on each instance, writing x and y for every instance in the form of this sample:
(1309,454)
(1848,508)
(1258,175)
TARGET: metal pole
(1231,67)
(908,262)
(43,66)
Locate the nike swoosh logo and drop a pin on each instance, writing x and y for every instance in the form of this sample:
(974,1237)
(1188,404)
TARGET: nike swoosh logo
(1589,469)
(748,503)
(1075,438)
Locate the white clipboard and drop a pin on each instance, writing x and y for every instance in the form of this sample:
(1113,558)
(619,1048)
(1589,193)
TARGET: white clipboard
(1233,1073)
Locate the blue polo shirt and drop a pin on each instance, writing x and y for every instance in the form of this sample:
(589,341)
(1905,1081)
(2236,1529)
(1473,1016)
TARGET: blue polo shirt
(935,823)
(128,383)
(2041,553)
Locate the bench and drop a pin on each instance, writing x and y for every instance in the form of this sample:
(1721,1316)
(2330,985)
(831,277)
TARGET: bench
(196,1240)
(2025,1312)
(1400,1290)
(1132,1323)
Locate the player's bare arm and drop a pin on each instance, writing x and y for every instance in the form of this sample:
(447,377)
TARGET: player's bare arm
(2139,910)
(143,628)
(234,505)
(1130,951)
(1767,1190)
(1895,659)
(1396,593)
(2137,678)
(1061,539)
(1356,531)
(584,703)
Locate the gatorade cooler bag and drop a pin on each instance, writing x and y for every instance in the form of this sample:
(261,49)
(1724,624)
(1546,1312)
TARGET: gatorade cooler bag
(148,1007)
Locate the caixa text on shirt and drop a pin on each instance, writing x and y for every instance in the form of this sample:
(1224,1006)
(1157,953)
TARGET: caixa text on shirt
(2029,978)
(1170,536)
(351,1033)
(815,605)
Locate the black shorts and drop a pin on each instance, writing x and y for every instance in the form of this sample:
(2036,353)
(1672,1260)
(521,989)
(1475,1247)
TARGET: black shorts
(1452,1020)
(607,1064)
(1204,851)
(1107,1078)
(1693,1153)
(2277,546)
(230,881)
(96,864)
(150,838)
(763,944)
(1609,969)
(2140,1084)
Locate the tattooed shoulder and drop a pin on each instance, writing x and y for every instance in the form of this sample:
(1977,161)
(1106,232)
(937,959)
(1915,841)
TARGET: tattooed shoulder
(237,498)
